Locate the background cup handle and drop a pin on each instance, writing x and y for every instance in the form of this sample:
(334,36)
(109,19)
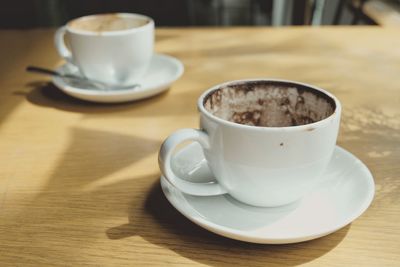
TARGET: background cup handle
(60,44)
(164,160)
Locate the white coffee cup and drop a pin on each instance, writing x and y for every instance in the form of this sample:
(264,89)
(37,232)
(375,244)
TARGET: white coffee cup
(111,48)
(269,165)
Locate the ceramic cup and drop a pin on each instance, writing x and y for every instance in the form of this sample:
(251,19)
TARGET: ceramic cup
(111,48)
(266,141)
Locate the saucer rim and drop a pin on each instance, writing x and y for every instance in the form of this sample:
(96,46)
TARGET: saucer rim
(66,87)
(241,234)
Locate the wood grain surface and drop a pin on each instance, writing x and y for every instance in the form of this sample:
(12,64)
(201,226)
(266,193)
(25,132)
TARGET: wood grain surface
(79,182)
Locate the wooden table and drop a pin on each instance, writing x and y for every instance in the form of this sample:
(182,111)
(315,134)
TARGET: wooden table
(79,182)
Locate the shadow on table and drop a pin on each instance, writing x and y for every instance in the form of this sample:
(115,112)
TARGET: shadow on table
(173,231)
(46,94)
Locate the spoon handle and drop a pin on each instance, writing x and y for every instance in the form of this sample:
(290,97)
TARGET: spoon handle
(52,73)
(43,71)
(96,84)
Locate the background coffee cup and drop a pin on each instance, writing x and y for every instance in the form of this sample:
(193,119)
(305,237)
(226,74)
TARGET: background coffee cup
(260,166)
(112,48)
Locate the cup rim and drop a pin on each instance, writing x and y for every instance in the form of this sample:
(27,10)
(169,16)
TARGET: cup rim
(306,127)
(150,23)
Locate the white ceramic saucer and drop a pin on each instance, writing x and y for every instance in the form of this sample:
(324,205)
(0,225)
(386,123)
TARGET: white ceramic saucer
(345,192)
(163,71)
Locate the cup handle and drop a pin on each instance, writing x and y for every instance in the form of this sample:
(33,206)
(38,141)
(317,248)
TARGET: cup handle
(164,161)
(60,44)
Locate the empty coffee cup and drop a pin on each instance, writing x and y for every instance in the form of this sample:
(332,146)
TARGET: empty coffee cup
(111,48)
(266,141)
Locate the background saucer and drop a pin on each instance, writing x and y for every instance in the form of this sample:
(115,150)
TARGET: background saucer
(345,192)
(162,72)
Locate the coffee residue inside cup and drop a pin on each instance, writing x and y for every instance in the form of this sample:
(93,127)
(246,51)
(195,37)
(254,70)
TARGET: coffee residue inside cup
(269,104)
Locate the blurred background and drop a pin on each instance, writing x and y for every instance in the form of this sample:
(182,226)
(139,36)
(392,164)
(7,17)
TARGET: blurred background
(22,14)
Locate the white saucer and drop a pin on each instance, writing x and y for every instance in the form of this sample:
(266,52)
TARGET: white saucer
(163,71)
(345,192)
